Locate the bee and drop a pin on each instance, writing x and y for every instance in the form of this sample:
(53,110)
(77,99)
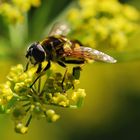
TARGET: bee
(58,48)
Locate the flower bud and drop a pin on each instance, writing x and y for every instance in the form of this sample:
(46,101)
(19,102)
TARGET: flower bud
(20,128)
(52,116)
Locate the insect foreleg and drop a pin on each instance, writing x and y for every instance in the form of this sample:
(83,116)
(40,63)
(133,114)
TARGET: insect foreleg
(27,65)
(35,80)
(39,68)
(47,66)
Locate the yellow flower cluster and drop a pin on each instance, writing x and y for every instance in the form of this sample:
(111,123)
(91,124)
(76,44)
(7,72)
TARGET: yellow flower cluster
(73,99)
(103,22)
(78,97)
(17,84)
(14,11)
(24,101)
(60,99)
(20,79)
(5,93)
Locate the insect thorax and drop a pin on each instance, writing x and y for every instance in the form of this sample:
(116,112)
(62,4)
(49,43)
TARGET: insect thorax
(55,47)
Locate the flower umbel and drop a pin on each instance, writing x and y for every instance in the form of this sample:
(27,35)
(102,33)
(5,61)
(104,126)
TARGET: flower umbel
(24,102)
(108,22)
(13,11)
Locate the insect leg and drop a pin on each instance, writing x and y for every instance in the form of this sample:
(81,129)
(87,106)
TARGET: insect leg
(38,71)
(39,68)
(35,81)
(64,77)
(48,66)
(27,65)
(77,69)
(74,61)
(76,72)
(61,64)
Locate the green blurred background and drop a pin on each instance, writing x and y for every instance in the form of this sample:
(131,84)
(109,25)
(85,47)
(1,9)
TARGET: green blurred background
(112,105)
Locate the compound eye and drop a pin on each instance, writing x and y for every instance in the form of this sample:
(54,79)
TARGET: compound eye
(28,53)
(38,53)
(29,50)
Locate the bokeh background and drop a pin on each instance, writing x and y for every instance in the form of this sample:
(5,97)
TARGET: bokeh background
(112,106)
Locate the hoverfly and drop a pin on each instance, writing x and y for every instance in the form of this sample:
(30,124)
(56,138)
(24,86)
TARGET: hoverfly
(58,48)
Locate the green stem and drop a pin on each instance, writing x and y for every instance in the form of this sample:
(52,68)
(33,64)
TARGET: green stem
(29,120)
(27,104)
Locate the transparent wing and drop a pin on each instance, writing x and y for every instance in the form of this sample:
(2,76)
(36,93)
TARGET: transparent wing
(90,54)
(59,29)
(97,55)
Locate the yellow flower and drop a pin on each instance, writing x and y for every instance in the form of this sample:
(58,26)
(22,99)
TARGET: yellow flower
(25,98)
(14,11)
(96,21)
(89,41)
(87,13)
(20,128)
(101,32)
(109,6)
(60,99)
(17,74)
(22,5)
(35,3)
(11,13)
(131,13)
(78,97)
(25,5)
(87,3)
(130,28)
(73,15)
(19,87)
(5,93)
(52,116)
(118,39)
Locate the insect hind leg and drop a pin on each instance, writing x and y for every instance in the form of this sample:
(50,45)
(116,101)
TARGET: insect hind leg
(64,77)
(76,72)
